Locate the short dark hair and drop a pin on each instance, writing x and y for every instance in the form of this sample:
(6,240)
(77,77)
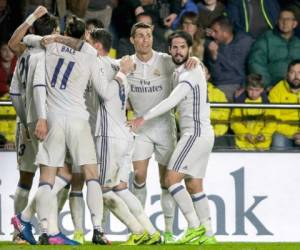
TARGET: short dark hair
(255,81)
(139,25)
(144,14)
(102,36)
(290,8)
(96,22)
(293,63)
(190,15)
(224,23)
(45,25)
(75,27)
(182,34)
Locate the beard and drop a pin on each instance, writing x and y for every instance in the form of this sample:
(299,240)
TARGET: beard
(294,85)
(179,62)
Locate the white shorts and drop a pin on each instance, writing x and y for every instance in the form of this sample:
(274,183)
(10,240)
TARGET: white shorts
(115,156)
(191,155)
(27,146)
(65,133)
(159,138)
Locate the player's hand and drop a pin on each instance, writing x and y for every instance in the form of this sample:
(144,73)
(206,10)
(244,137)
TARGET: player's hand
(41,129)
(46,40)
(191,63)
(136,123)
(39,11)
(169,20)
(126,65)
(250,138)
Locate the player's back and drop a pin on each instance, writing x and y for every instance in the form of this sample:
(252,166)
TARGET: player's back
(67,75)
(111,119)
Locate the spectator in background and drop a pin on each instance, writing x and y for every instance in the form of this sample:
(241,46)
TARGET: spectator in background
(275,49)
(209,10)
(190,25)
(250,126)
(219,116)
(286,125)
(8,21)
(226,56)
(126,47)
(188,6)
(101,10)
(253,16)
(7,66)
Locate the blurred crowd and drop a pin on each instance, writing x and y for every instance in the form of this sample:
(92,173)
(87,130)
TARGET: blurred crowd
(251,49)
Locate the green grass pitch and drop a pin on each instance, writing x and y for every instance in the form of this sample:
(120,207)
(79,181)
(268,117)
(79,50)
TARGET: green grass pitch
(219,246)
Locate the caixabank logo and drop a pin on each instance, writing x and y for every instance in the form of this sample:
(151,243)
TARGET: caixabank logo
(243,214)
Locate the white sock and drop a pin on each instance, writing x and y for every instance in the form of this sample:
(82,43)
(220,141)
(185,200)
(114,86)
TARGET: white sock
(53,218)
(184,201)
(201,206)
(136,209)
(59,184)
(62,197)
(44,197)
(168,206)
(140,192)
(106,213)
(121,210)
(77,208)
(20,199)
(95,202)
(29,210)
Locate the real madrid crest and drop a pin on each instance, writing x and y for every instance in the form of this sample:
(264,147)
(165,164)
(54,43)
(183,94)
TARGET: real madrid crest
(156,72)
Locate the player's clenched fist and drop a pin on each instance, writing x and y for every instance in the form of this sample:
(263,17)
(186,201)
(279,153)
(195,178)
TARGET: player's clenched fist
(41,129)
(40,11)
(126,65)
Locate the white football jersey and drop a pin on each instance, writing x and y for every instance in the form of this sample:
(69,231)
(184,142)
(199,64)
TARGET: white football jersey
(22,81)
(67,75)
(111,119)
(190,97)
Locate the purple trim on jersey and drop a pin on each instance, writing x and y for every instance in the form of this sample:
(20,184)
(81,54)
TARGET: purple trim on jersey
(39,85)
(80,47)
(194,199)
(104,143)
(15,94)
(196,107)
(184,153)
(176,190)
(73,194)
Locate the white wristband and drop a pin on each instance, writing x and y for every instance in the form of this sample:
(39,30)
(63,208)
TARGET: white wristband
(30,19)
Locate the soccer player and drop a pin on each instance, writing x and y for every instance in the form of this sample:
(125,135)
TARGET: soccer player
(21,92)
(150,83)
(190,157)
(114,145)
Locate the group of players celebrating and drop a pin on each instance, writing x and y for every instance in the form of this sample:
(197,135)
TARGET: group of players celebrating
(71,99)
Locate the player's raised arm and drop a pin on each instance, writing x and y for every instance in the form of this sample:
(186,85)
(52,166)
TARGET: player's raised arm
(71,42)
(15,43)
